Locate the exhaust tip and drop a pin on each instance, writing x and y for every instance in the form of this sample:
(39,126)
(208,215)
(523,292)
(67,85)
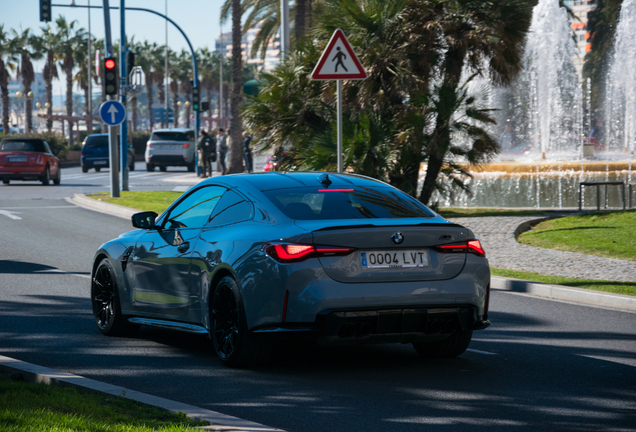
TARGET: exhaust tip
(365,329)
(435,326)
(348,331)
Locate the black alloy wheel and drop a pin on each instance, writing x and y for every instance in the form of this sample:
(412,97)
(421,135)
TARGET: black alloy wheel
(234,344)
(105,301)
(84,169)
(225,321)
(46,177)
(150,167)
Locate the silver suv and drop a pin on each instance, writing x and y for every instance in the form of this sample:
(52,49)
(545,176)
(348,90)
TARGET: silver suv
(171,147)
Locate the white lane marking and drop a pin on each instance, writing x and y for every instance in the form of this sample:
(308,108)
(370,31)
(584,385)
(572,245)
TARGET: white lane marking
(69,273)
(10,214)
(31,208)
(181,188)
(480,352)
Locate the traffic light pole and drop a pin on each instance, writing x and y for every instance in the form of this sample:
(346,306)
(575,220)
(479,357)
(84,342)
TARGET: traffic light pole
(112,132)
(123,85)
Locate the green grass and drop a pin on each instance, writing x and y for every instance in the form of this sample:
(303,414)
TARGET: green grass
(627,288)
(606,234)
(483,212)
(156,201)
(49,408)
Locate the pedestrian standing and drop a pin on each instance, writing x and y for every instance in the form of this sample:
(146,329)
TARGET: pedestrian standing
(221,146)
(247,152)
(205,147)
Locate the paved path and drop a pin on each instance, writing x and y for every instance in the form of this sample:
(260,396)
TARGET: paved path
(503,251)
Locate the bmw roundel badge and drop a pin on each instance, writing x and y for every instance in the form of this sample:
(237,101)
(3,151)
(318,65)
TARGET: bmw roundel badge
(397,237)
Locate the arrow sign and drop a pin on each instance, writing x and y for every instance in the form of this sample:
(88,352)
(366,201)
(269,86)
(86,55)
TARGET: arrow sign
(112,113)
(338,61)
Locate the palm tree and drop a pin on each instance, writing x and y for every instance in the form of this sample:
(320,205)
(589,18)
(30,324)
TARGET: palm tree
(146,59)
(24,47)
(184,75)
(47,43)
(484,38)
(68,48)
(82,77)
(208,69)
(236,128)
(7,62)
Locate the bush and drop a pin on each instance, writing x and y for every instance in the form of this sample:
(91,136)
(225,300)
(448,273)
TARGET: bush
(139,140)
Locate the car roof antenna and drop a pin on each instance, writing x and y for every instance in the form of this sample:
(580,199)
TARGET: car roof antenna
(324,180)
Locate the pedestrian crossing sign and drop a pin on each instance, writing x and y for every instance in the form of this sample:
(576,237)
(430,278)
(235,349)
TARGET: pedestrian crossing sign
(338,61)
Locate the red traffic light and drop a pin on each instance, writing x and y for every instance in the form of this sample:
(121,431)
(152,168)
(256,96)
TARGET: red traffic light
(109,64)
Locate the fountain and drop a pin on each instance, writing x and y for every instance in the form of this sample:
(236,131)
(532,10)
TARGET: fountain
(545,107)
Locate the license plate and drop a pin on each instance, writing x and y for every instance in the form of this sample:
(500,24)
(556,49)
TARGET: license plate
(395,259)
(100,162)
(17,159)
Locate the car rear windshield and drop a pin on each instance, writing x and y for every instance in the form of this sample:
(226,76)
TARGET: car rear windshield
(96,141)
(172,136)
(26,146)
(349,203)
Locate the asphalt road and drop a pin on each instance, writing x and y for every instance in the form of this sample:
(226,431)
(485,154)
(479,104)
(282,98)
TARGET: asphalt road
(542,365)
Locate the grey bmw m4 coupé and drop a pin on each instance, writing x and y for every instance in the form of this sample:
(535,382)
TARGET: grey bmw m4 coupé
(252,258)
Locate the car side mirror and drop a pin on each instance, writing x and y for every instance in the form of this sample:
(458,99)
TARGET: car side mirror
(144,220)
(56,152)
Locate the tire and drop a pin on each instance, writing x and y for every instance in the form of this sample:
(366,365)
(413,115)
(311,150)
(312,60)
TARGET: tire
(84,169)
(163,168)
(98,169)
(452,346)
(106,306)
(150,167)
(46,177)
(58,179)
(6,181)
(191,167)
(233,343)
(131,167)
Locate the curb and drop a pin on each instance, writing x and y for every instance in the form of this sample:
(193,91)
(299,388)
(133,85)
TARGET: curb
(558,292)
(82,200)
(218,421)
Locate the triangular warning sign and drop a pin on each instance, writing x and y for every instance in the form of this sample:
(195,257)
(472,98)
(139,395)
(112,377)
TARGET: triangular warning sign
(338,61)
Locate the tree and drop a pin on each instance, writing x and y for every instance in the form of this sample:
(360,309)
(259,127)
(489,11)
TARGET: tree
(145,59)
(82,77)
(47,43)
(209,71)
(8,62)
(236,128)
(24,47)
(185,75)
(68,47)
(483,38)
(158,65)
(173,68)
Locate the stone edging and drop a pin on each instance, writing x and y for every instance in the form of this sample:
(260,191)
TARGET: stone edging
(557,292)
(220,422)
(82,200)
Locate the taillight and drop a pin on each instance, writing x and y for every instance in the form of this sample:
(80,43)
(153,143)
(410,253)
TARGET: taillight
(148,145)
(186,145)
(472,246)
(297,252)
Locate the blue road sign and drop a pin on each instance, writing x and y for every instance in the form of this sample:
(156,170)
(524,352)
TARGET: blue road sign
(112,113)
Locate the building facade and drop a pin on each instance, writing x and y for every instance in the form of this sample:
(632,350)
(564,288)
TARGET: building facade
(272,54)
(580,10)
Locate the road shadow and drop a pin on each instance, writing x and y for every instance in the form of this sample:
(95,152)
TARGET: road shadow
(23,267)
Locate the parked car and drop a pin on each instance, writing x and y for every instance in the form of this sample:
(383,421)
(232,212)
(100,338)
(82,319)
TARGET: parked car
(28,159)
(171,147)
(95,153)
(343,259)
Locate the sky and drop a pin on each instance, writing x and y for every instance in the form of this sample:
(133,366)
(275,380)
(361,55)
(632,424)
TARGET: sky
(198,18)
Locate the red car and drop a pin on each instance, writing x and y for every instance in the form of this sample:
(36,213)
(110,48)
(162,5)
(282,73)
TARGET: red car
(28,159)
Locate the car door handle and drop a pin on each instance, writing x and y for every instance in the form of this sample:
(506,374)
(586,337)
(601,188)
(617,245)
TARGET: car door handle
(183,247)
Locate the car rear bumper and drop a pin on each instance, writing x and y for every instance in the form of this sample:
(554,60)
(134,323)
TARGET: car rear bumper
(25,173)
(168,160)
(382,325)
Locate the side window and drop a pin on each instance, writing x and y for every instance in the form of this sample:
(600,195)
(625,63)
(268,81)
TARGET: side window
(47,149)
(194,210)
(231,208)
(191,136)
